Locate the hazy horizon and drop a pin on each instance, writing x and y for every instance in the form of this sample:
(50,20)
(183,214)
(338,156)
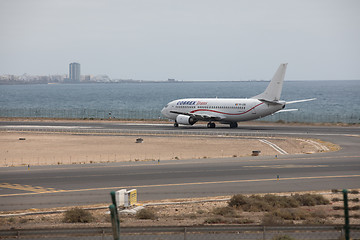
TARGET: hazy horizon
(203,40)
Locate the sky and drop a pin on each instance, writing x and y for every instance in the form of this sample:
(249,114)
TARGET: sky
(182,39)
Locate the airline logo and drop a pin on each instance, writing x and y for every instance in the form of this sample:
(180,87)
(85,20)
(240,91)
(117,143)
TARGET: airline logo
(191,103)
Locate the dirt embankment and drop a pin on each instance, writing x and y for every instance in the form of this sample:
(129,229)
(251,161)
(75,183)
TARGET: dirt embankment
(200,211)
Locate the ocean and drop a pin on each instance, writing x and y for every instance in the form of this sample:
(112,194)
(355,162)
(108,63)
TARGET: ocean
(337,101)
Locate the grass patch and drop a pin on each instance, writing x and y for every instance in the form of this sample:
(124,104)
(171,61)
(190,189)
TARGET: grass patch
(282,237)
(223,220)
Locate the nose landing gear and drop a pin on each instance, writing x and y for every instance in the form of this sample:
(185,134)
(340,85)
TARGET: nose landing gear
(211,125)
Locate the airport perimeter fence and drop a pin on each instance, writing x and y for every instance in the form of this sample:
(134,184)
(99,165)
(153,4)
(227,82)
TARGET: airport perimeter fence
(137,132)
(154,114)
(187,233)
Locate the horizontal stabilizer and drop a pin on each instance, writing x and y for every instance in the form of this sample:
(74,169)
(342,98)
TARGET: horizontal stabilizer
(288,110)
(298,101)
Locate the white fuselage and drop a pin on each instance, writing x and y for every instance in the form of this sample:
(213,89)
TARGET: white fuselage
(227,110)
(230,110)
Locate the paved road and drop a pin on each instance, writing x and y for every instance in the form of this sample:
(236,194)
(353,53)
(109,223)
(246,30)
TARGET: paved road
(54,186)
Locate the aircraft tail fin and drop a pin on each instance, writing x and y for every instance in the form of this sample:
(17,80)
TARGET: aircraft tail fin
(273,90)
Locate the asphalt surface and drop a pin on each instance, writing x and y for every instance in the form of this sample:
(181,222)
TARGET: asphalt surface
(69,185)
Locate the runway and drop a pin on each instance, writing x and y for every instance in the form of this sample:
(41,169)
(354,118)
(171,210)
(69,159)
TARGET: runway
(68,185)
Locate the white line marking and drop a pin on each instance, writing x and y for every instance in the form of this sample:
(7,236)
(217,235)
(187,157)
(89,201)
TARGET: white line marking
(317,145)
(49,127)
(274,146)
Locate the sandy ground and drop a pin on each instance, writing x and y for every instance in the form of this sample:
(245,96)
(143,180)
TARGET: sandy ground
(43,149)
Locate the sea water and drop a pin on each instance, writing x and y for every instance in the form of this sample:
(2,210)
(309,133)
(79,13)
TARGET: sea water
(337,101)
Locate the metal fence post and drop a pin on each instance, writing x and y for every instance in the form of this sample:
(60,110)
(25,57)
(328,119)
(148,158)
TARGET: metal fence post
(264,233)
(114,225)
(115,222)
(346,213)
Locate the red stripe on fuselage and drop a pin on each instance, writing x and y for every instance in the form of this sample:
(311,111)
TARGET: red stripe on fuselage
(210,110)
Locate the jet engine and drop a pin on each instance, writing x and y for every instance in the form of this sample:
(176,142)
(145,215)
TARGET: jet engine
(185,119)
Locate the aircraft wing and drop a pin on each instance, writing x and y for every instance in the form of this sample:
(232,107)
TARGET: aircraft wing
(201,117)
(304,100)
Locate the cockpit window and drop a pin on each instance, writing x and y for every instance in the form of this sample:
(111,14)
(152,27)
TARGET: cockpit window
(166,105)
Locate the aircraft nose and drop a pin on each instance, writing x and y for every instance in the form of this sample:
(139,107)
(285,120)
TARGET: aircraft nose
(163,112)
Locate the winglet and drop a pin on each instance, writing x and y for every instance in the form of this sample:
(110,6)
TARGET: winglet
(273,90)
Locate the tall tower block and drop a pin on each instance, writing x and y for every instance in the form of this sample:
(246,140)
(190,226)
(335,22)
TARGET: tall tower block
(74,72)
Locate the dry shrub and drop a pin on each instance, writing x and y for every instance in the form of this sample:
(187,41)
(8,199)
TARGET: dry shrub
(319,214)
(249,204)
(291,214)
(270,202)
(146,213)
(256,204)
(214,220)
(281,201)
(77,215)
(318,217)
(225,211)
(271,220)
(238,200)
(311,199)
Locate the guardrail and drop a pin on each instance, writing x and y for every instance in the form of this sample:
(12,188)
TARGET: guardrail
(196,232)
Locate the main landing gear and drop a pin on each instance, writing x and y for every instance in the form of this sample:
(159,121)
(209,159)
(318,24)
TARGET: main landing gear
(233,125)
(211,125)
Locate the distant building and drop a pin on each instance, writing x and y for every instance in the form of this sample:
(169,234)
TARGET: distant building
(87,78)
(74,72)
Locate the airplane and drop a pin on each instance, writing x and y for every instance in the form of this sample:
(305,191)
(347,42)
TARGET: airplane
(231,110)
